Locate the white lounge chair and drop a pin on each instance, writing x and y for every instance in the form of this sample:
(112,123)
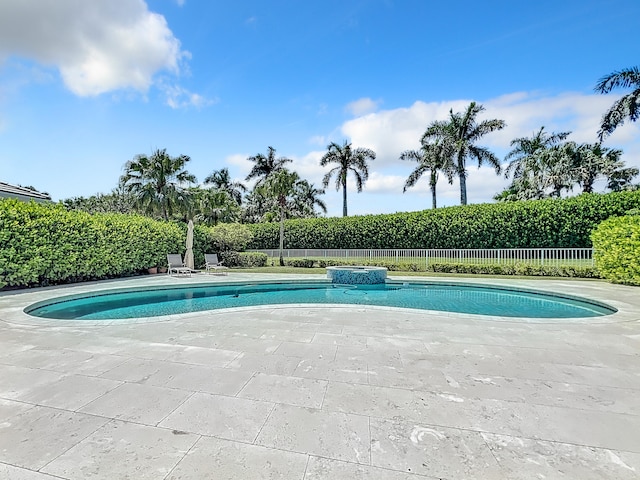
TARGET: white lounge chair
(212,263)
(176,265)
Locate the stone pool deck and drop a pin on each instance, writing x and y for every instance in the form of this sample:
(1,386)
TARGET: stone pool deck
(321,392)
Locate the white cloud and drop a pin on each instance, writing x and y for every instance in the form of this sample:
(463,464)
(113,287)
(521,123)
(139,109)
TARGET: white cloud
(98,46)
(179,97)
(390,132)
(362,106)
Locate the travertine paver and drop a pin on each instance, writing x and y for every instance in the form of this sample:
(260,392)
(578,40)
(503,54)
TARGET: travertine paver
(334,435)
(302,392)
(321,392)
(225,460)
(137,403)
(123,450)
(34,437)
(220,416)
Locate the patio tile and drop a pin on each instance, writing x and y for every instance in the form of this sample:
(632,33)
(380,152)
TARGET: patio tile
(36,436)
(523,459)
(302,392)
(212,357)
(253,345)
(16,473)
(10,408)
(70,392)
(328,434)
(306,350)
(612,431)
(326,469)
(137,403)
(146,371)
(19,381)
(225,417)
(352,371)
(219,459)
(198,378)
(269,364)
(299,336)
(434,451)
(390,403)
(123,450)
(339,339)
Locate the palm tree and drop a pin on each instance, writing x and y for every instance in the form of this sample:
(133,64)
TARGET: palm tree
(590,161)
(626,107)
(266,165)
(156,182)
(281,186)
(307,197)
(348,159)
(432,158)
(526,152)
(461,131)
(212,205)
(221,180)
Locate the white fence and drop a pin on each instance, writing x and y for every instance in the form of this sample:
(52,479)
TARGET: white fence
(502,256)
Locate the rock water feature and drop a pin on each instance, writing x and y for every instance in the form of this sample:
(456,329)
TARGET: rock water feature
(357,275)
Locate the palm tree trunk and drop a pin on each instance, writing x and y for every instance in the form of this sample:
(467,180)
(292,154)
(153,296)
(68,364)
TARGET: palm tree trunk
(281,235)
(344,198)
(433,181)
(463,181)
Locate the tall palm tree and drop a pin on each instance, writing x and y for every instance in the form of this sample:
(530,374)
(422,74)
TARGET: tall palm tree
(461,131)
(266,165)
(627,107)
(221,180)
(307,197)
(525,154)
(157,182)
(589,161)
(347,160)
(212,205)
(281,186)
(431,158)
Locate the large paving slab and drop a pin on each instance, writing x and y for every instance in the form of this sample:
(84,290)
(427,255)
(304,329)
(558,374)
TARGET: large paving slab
(308,392)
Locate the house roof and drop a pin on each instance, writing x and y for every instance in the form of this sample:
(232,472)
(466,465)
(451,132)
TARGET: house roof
(22,193)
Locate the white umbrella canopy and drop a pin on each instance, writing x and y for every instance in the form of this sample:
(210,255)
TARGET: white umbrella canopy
(188,256)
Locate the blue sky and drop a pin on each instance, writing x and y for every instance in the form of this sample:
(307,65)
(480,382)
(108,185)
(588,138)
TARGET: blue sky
(85,86)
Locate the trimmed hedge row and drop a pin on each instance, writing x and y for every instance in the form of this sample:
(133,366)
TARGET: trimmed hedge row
(523,269)
(616,249)
(548,223)
(44,244)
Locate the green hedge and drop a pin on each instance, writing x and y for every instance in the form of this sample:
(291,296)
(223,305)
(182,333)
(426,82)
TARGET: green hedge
(44,244)
(529,224)
(523,269)
(244,259)
(616,244)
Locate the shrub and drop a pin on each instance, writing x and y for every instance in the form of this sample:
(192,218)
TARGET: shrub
(244,259)
(231,236)
(299,262)
(616,244)
(44,244)
(550,223)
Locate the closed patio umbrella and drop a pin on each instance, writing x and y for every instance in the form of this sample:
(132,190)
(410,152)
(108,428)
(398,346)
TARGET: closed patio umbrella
(188,256)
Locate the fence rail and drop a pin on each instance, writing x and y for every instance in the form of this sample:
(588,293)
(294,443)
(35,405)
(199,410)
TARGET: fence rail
(501,256)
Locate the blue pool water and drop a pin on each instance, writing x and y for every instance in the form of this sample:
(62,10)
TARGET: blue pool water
(459,298)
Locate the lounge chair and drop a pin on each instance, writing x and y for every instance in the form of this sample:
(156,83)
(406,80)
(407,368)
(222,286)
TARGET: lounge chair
(176,265)
(212,263)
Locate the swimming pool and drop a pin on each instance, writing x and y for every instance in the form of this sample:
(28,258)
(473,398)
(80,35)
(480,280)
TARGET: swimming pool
(447,297)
